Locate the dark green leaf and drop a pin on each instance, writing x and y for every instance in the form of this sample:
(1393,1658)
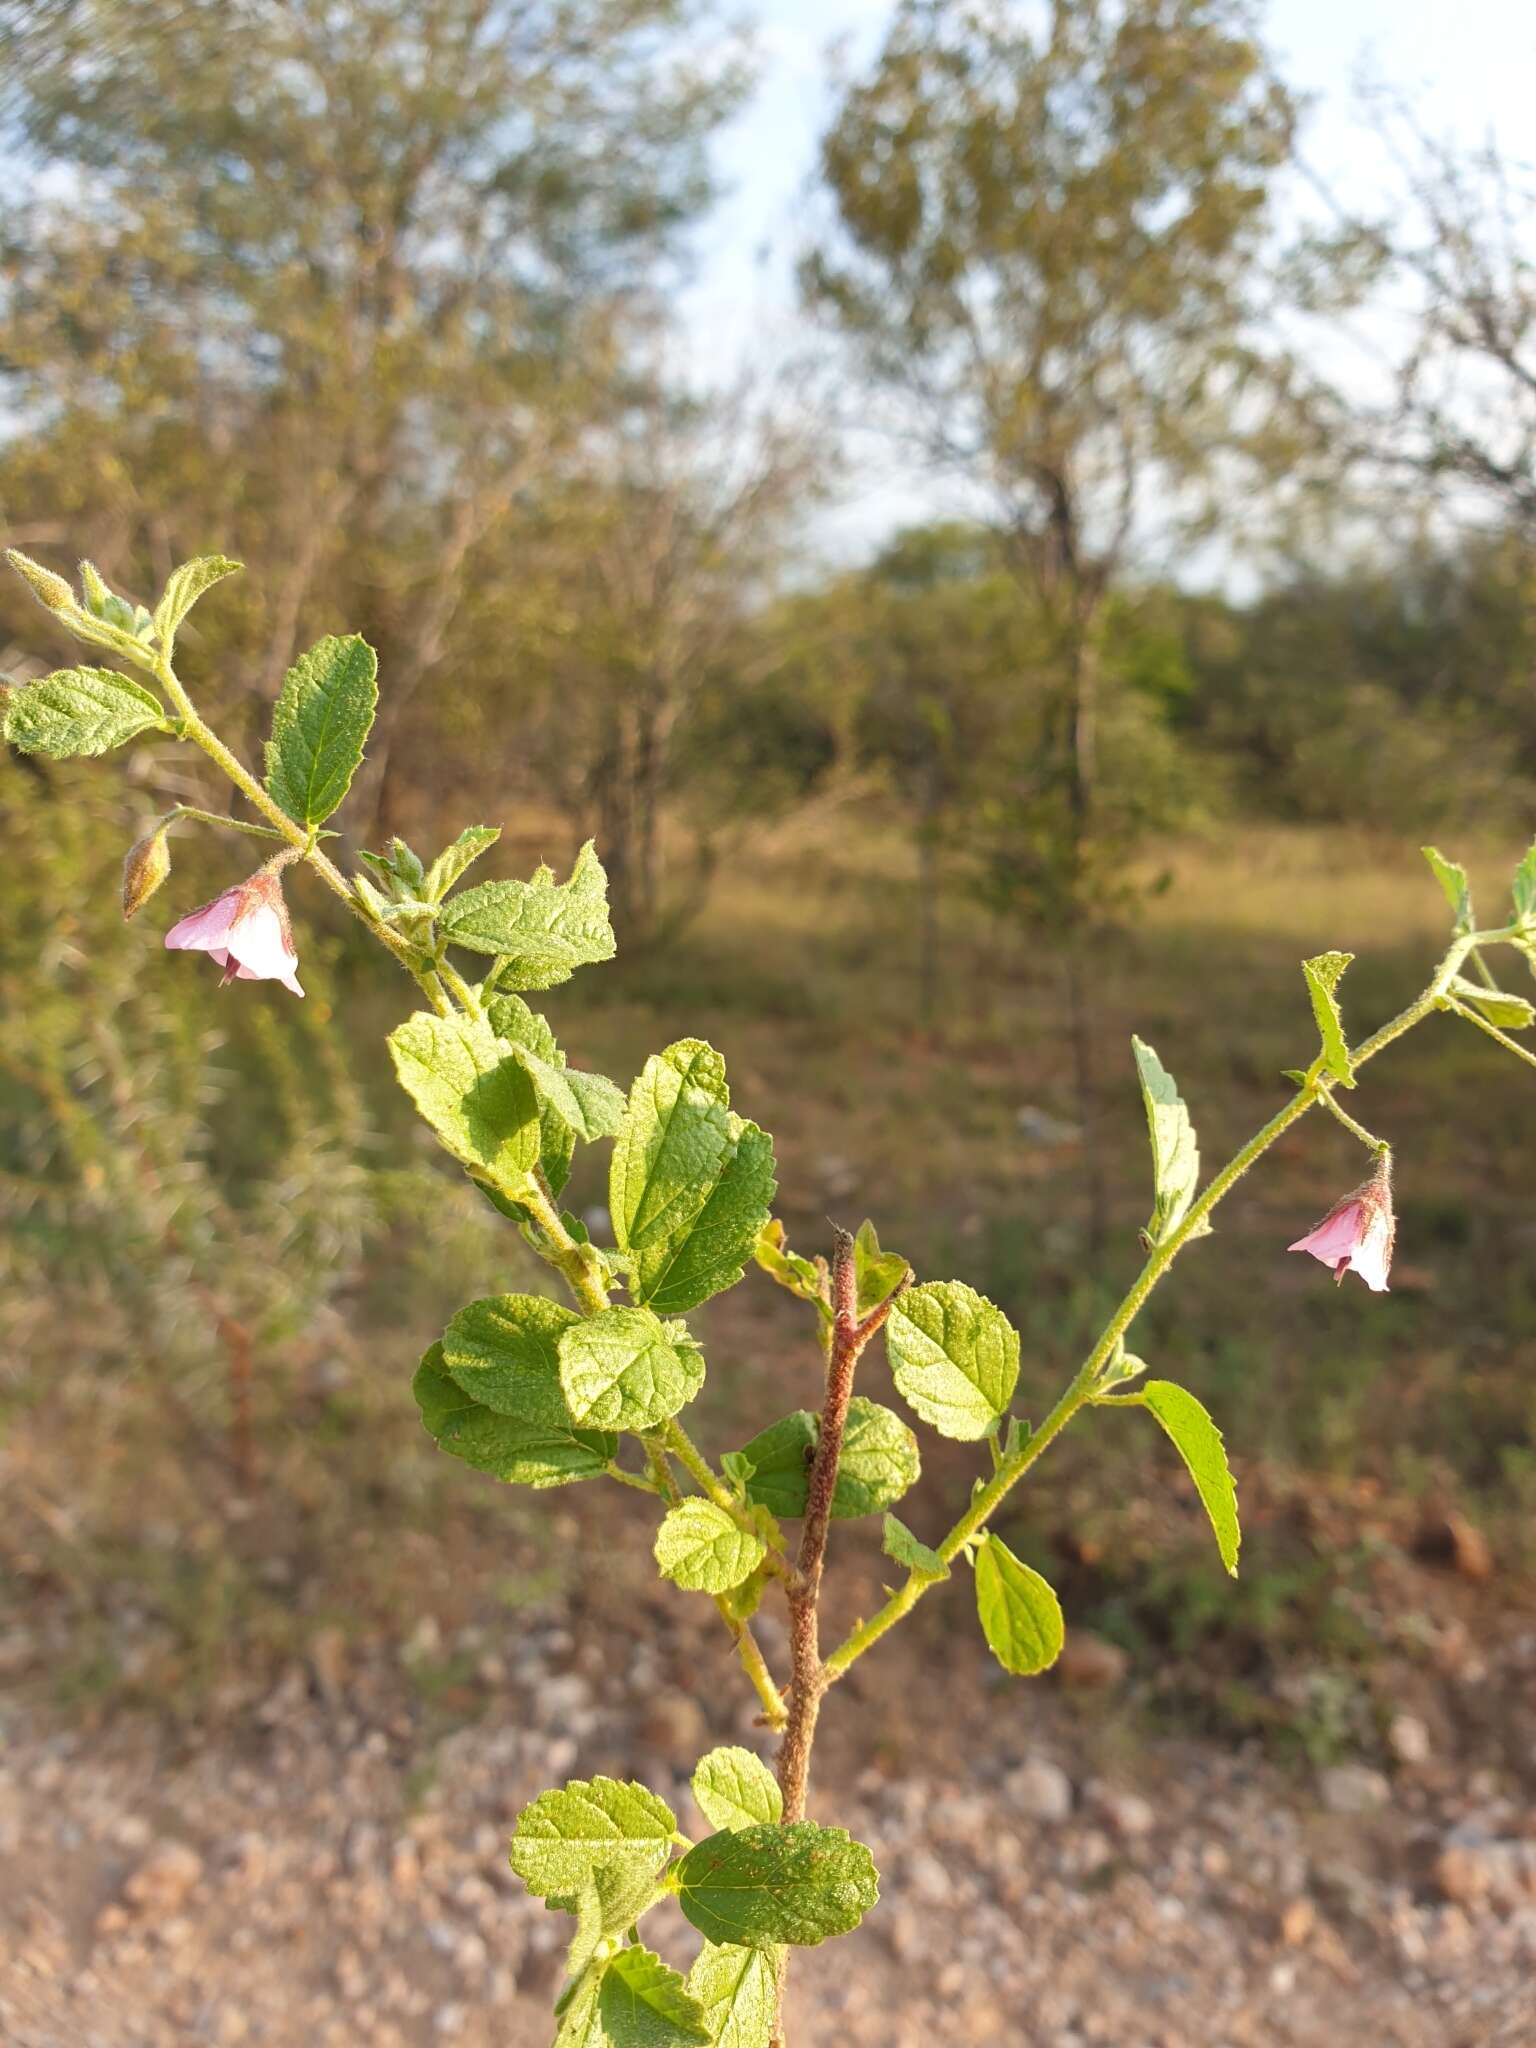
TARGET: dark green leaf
(761,1886)
(879,1463)
(78,711)
(539,1454)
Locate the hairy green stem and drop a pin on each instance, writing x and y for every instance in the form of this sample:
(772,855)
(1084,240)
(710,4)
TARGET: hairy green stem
(1356,1130)
(1485,1024)
(1080,1392)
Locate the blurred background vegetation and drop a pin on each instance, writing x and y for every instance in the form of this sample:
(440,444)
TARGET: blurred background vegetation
(381,299)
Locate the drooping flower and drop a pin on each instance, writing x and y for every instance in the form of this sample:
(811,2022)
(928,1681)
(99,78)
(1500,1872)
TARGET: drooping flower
(1358,1232)
(246,930)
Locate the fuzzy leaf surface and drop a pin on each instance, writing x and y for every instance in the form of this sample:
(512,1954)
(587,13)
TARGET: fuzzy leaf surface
(183,587)
(78,712)
(320,725)
(702,1549)
(1323,977)
(621,1370)
(643,2003)
(453,861)
(1510,1013)
(473,1092)
(954,1357)
(546,929)
(899,1544)
(762,1886)
(736,1789)
(539,1454)
(1020,1614)
(1452,877)
(737,1988)
(563,1836)
(504,1351)
(877,1273)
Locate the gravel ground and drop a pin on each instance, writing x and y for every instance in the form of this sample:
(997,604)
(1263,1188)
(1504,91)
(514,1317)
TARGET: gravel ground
(328,1868)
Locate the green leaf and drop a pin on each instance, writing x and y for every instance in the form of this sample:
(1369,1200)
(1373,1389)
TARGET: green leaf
(79,711)
(621,1370)
(736,1789)
(644,2004)
(505,1352)
(1524,888)
(184,586)
(738,1989)
(689,1184)
(455,859)
(580,2026)
(536,1453)
(1020,1615)
(320,725)
(1452,877)
(765,1885)
(473,1093)
(878,1274)
(800,1276)
(545,929)
(898,1543)
(610,1902)
(879,1464)
(1323,977)
(1510,1013)
(954,1356)
(702,1549)
(563,1837)
(1175,1155)
(589,1104)
(517,1025)
(1198,1442)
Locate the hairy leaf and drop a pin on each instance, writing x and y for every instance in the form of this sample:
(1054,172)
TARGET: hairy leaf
(703,1549)
(536,1453)
(452,862)
(1198,1442)
(644,2004)
(505,1352)
(761,1886)
(898,1543)
(1323,977)
(1510,1013)
(1020,1615)
(879,1464)
(562,1837)
(877,1274)
(1523,888)
(736,1789)
(78,711)
(621,1370)
(954,1357)
(1175,1155)
(183,587)
(1452,877)
(473,1093)
(320,725)
(544,928)
(737,1988)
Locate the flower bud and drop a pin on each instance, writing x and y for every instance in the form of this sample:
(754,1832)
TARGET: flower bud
(146,867)
(48,589)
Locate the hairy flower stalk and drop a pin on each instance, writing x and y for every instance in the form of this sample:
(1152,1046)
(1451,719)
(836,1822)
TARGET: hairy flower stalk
(534,1393)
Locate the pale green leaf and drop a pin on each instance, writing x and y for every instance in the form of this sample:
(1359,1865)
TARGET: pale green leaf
(562,1837)
(79,711)
(703,1549)
(1198,1442)
(537,1453)
(505,1352)
(877,1273)
(452,862)
(800,1276)
(184,586)
(954,1357)
(736,1789)
(1524,888)
(763,1886)
(1323,977)
(1175,1155)
(738,1989)
(473,1093)
(899,1544)
(589,1104)
(642,2003)
(879,1464)
(621,1370)
(544,929)
(1452,877)
(580,2025)
(1510,1013)
(1020,1615)
(320,725)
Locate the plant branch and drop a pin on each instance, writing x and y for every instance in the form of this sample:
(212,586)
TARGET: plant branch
(1483,1024)
(1080,1392)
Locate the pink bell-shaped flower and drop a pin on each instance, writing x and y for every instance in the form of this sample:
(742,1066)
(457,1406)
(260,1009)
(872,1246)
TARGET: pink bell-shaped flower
(246,930)
(1358,1233)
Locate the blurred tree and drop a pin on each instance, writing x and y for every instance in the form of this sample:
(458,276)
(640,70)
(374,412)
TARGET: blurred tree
(332,288)
(1046,248)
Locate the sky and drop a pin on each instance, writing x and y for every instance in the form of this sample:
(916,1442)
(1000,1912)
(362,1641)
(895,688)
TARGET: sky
(1468,66)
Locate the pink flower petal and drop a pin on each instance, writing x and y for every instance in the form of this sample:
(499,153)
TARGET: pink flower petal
(257,941)
(1336,1237)
(200,931)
